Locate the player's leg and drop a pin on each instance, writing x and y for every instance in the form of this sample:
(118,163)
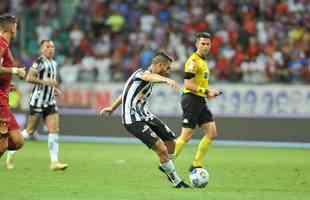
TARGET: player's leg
(15,142)
(142,131)
(165,134)
(191,106)
(167,165)
(4,129)
(32,122)
(52,123)
(208,126)
(184,138)
(3,144)
(15,139)
(170,144)
(168,137)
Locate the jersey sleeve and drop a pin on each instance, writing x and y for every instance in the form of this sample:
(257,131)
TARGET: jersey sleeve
(37,65)
(139,75)
(191,66)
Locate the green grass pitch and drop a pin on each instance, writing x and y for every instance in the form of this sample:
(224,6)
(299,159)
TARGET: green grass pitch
(129,172)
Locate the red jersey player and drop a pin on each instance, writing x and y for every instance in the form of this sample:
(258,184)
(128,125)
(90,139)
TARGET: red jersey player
(10,135)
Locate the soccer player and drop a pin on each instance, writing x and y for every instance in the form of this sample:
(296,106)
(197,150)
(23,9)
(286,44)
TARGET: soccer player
(43,74)
(195,110)
(140,122)
(10,135)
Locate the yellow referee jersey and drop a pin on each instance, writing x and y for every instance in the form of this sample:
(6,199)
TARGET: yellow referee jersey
(198,66)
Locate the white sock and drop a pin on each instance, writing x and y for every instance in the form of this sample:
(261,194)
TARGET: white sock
(10,154)
(171,172)
(171,156)
(25,134)
(53,146)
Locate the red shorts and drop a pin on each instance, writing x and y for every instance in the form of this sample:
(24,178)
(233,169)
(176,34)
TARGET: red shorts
(7,115)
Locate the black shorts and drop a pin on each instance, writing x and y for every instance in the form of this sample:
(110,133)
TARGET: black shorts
(149,132)
(195,111)
(44,111)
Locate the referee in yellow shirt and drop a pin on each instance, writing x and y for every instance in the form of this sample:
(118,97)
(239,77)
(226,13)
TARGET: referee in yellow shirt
(195,92)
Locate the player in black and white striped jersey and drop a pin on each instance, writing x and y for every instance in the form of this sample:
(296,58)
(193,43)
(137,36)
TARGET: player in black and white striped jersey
(43,74)
(140,122)
(43,94)
(135,95)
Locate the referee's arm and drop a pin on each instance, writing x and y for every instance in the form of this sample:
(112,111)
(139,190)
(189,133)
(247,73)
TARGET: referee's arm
(189,83)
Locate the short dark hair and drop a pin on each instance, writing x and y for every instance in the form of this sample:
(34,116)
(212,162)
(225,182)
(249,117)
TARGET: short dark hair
(161,57)
(43,41)
(202,35)
(6,20)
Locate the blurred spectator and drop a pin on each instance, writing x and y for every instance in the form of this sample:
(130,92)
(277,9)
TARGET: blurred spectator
(43,31)
(116,22)
(253,41)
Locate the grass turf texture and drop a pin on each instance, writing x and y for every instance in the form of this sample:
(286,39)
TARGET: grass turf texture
(119,172)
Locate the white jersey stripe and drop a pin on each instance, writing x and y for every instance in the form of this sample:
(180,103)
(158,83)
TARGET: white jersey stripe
(135,94)
(128,107)
(43,95)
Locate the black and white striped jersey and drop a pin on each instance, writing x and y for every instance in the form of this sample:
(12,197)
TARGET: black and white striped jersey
(44,95)
(134,99)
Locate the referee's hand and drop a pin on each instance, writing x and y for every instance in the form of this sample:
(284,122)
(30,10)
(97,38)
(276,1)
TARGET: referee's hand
(212,93)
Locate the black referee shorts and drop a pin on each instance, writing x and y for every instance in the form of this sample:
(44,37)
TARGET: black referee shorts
(195,111)
(44,111)
(149,132)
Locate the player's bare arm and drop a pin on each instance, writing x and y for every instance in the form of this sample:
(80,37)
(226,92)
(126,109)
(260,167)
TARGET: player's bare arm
(32,77)
(109,110)
(58,91)
(156,78)
(20,72)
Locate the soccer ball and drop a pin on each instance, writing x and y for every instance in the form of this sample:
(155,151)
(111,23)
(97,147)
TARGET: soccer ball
(199,178)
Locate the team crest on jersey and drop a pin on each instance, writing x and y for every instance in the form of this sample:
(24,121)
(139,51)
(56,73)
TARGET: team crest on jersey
(35,65)
(153,134)
(185,121)
(191,66)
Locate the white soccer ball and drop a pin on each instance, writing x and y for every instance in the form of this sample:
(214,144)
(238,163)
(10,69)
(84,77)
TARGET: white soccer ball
(199,178)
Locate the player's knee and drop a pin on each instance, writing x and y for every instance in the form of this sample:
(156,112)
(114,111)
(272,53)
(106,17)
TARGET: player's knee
(15,145)
(212,134)
(3,147)
(187,138)
(18,146)
(53,130)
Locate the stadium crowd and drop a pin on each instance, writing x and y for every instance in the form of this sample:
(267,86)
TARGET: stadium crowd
(254,41)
